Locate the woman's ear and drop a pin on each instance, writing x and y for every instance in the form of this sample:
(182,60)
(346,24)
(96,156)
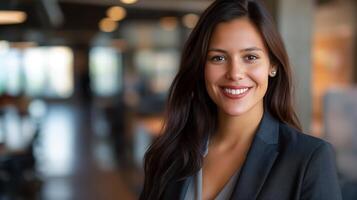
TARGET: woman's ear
(273,70)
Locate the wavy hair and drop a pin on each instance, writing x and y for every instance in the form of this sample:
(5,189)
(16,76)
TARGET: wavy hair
(191,115)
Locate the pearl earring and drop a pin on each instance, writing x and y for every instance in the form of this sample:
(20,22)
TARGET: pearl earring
(273,73)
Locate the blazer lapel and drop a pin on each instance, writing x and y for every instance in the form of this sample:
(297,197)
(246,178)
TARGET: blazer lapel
(259,161)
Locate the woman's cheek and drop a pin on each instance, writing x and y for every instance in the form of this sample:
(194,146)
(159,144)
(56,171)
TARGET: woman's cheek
(212,73)
(260,75)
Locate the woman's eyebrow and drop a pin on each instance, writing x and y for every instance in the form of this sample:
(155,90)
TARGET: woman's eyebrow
(242,50)
(252,49)
(217,49)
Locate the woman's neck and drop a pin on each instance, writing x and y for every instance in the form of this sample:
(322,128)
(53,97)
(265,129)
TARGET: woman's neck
(235,130)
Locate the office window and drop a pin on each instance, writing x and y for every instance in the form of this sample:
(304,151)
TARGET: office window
(11,75)
(158,68)
(48,72)
(106,71)
(35,71)
(60,72)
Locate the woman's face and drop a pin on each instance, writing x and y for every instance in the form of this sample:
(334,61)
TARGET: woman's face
(237,67)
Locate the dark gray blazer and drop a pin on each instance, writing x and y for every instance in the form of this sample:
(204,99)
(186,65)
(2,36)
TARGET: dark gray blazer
(282,164)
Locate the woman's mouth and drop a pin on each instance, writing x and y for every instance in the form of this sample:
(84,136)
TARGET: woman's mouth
(235,93)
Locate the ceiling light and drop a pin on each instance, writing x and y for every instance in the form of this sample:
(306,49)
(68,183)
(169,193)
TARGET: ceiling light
(23,45)
(107,25)
(128,1)
(116,13)
(168,23)
(12,17)
(190,20)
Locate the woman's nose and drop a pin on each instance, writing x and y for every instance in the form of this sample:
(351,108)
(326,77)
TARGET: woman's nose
(235,70)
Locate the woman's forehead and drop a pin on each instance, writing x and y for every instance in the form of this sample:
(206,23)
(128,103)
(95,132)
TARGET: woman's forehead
(239,33)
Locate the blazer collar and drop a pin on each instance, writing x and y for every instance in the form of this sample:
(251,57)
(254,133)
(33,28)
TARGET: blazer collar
(259,160)
(255,169)
(268,130)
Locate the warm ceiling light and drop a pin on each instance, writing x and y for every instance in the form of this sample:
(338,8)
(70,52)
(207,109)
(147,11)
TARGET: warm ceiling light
(116,13)
(107,25)
(190,20)
(23,45)
(168,23)
(128,1)
(12,17)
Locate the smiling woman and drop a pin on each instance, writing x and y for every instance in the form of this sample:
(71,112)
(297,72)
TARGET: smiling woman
(231,131)
(237,66)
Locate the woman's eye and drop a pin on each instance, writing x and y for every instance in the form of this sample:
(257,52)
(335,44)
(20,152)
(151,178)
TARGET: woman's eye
(251,58)
(218,58)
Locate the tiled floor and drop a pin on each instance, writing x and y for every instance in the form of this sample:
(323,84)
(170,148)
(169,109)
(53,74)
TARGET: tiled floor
(76,163)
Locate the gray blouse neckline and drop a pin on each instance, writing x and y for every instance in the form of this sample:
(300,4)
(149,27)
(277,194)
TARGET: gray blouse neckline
(194,191)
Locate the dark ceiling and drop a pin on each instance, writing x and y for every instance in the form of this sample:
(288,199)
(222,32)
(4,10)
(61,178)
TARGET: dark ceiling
(77,20)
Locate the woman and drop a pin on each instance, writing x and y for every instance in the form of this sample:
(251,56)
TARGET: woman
(231,131)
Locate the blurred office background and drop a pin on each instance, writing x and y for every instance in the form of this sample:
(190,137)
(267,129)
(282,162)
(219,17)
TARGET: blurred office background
(83,85)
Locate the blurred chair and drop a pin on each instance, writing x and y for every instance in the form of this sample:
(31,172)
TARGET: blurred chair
(18,177)
(340,126)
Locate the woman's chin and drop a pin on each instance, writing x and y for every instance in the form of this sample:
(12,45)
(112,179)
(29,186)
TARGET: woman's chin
(234,112)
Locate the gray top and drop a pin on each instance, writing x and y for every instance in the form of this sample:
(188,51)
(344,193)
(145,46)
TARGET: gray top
(194,191)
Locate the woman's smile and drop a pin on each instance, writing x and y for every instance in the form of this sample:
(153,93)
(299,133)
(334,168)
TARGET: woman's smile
(234,92)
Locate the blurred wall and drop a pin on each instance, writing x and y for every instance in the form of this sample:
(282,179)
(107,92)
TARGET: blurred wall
(295,20)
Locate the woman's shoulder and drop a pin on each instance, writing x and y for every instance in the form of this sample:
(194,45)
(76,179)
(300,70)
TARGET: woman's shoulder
(293,141)
(314,159)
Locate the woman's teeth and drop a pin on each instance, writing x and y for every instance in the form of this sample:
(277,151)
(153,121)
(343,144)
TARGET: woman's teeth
(235,91)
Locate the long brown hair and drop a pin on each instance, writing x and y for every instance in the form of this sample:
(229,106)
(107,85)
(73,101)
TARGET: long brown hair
(191,115)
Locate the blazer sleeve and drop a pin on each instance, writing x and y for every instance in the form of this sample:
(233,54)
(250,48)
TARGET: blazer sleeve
(320,180)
